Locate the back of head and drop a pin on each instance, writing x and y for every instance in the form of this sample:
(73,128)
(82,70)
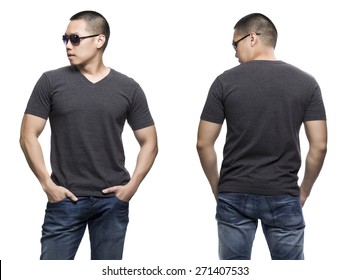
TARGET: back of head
(96,24)
(258,23)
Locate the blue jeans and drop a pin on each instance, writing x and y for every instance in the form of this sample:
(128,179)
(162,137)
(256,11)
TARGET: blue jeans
(65,223)
(281,218)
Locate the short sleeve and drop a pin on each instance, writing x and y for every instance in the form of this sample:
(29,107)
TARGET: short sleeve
(315,109)
(39,103)
(139,114)
(214,110)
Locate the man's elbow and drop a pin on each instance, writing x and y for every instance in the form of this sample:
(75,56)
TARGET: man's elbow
(155,150)
(152,147)
(199,146)
(319,150)
(22,141)
(202,146)
(322,147)
(323,150)
(26,141)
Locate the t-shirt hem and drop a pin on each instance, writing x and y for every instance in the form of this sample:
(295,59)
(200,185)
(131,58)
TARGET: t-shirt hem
(315,118)
(36,113)
(141,126)
(260,190)
(211,119)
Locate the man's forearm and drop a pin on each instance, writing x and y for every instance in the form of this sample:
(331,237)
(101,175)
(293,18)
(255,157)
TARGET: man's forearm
(34,156)
(208,159)
(314,162)
(145,161)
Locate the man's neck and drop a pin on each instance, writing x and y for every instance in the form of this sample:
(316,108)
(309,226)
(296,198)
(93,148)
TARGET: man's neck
(94,72)
(266,54)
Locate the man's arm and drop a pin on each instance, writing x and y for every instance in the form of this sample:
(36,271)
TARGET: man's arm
(147,139)
(31,129)
(316,132)
(208,133)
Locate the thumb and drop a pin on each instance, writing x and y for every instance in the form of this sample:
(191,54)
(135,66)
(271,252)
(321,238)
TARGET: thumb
(71,196)
(110,190)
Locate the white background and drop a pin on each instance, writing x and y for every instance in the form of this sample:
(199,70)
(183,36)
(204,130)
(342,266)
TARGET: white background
(174,49)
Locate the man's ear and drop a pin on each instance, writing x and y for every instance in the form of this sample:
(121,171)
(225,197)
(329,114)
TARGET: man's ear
(253,39)
(101,41)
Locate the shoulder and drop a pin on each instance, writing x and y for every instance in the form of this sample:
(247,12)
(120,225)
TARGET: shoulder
(237,72)
(124,83)
(61,70)
(296,70)
(62,73)
(302,78)
(233,75)
(122,78)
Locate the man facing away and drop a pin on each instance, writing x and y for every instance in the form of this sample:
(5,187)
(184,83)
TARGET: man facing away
(264,102)
(87,104)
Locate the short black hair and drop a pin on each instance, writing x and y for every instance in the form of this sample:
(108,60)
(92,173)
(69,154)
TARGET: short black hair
(96,24)
(258,23)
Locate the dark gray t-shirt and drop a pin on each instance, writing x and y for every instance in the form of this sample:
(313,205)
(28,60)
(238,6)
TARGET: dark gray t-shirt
(264,104)
(87,120)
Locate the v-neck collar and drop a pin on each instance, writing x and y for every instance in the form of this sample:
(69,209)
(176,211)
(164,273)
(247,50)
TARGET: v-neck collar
(84,78)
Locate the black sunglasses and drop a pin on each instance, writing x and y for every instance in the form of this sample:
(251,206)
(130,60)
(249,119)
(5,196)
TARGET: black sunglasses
(75,39)
(235,43)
